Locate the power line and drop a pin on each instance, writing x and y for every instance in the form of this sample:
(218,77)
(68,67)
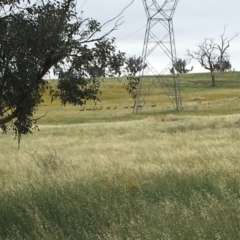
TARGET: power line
(135,31)
(131,34)
(83,4)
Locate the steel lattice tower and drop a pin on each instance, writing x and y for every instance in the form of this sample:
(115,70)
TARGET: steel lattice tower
(159,40)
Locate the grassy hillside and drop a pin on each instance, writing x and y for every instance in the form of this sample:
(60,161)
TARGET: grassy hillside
(197,95)
(156,175)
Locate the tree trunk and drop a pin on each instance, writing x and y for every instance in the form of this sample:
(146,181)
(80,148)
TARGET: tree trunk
(221,64)
(213,79)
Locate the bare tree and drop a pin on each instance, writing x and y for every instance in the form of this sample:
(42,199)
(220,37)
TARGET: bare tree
(223,47)
(206,56)
(213,56)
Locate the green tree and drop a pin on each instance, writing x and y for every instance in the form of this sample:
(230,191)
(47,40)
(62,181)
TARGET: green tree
(181,66)
(223,65)
(37,38)
(133,65)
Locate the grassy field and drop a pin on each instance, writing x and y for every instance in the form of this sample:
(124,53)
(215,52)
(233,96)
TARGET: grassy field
(199,98)
(109,174)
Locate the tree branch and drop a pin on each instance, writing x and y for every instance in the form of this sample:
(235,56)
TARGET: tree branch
(8,118)
(117,24)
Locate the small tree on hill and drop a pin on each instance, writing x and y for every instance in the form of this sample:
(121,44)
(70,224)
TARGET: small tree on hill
(181,66)
(134,65)
(212,56)
(207,56)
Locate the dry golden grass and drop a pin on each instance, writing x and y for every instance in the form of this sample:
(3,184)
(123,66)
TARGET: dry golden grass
(167,143)
(158,175)
(187,155)
(197,95)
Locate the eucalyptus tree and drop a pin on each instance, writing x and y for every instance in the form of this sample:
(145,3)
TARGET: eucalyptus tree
(133,66)
(180,65)
(49,35)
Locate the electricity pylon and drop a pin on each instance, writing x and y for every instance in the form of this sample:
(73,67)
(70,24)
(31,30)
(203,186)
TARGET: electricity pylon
(158,42)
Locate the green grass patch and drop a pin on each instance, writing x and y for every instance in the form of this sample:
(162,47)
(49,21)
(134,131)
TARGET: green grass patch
(170,206)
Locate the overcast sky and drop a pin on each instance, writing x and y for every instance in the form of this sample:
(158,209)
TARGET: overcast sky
(194,20)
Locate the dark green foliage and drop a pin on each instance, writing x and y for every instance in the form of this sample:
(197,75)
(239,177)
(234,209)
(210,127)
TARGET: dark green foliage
(132,85)
(44,37)
(180,66)
(105,61)
(133,66)
(226,66)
